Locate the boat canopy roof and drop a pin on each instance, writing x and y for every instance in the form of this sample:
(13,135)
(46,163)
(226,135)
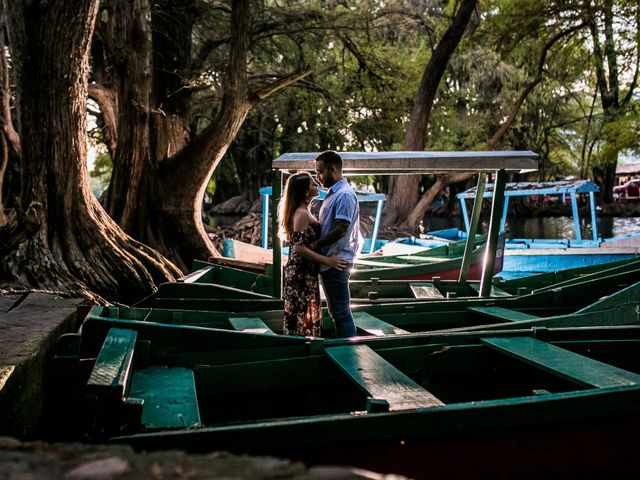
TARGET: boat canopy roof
(363,196)
(537,188)
(397,163)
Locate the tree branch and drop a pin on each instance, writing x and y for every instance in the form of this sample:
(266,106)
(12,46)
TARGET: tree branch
(266,92)
(499,134)
(106,99)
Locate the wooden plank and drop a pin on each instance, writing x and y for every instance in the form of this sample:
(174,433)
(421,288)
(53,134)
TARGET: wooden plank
(500,313)
(571,366)
(423,291)
(169,395)
(195,276)
(379,379)
(250,324)
(375,326)
(495,291)
(374,264)
(111,373)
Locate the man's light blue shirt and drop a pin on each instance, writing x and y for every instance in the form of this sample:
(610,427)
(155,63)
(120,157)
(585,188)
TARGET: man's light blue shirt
(341,203)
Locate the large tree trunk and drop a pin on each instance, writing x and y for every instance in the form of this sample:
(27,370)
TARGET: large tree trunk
(173,222)
(160,176)
(62,239)
(132,157)
(403,190)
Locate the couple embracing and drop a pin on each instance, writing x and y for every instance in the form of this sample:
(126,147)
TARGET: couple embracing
(326,248)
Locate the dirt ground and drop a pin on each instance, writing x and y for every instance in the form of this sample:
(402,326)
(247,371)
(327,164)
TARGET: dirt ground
(73,461)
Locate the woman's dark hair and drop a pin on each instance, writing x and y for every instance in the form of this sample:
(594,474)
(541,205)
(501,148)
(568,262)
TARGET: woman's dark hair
(295,193)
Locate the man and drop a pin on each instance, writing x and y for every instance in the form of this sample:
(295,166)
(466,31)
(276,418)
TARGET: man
(340,235)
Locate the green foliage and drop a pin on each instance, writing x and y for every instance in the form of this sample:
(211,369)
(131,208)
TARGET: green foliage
(368,58)
(100,174)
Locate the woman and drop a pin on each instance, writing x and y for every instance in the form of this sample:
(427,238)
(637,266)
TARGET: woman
(301,290)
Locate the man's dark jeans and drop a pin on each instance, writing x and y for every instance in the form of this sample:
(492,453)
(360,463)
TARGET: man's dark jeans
(336,288)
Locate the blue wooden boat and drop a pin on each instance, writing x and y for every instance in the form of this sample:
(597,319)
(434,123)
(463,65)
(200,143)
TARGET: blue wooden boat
(526,256)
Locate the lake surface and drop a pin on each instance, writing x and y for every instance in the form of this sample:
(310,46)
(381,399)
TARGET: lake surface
(517,227)
(548,227)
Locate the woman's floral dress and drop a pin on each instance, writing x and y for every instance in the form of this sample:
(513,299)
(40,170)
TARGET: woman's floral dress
(301,291)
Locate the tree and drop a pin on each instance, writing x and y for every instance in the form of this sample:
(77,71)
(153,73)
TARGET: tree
(170,128)
(9,140)
(403,190)
(619,23)
(60,238)
(558,32)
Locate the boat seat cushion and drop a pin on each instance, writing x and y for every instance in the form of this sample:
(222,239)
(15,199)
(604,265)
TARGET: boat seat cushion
(250,325)
(425,291)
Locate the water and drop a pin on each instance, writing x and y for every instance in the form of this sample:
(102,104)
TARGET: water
(517,227)
(547,227)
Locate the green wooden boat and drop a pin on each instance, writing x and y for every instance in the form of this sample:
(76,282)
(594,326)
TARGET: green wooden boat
(443,261)
(406,404)
(237,288)
(608,297)
(203,295)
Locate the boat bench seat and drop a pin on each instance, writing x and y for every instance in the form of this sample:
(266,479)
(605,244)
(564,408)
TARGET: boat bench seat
(374,326)
(111,373)
(424,291)
(250,324)
(500,313)
(379,379)
(565,364)
(169,397)
(109,410)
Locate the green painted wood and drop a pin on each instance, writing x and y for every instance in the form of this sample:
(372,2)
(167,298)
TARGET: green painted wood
(472,228)
(374,326)
(195,276)
(111,372)
(169,396)
(379,379)
(250,324)
(500,313)
(424,291)
(494,292)
(493,238)
(563,363)
(209,290)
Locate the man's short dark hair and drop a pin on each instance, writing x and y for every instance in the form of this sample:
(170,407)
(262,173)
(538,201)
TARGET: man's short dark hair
(329,157)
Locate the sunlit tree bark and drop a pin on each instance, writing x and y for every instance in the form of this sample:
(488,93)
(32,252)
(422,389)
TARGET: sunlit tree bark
(60,238)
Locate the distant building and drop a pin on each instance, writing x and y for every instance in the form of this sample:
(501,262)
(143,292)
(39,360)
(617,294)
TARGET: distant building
(627,171)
